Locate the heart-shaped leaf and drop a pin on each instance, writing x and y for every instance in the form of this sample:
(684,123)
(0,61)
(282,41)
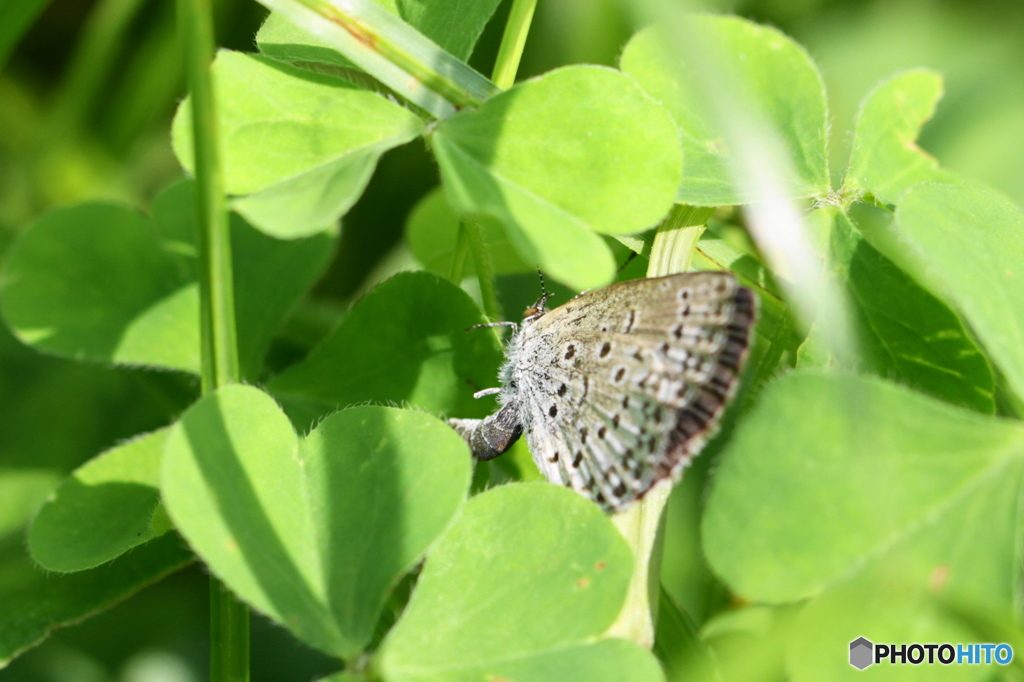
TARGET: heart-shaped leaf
(885,159)
(298,146)
(100,282)
(776,77)
(406,342)
(559,158)
(519,588)
(312,532)
(102,510)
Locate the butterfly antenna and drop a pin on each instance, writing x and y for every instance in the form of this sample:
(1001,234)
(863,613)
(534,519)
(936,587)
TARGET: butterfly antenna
(544,293)
(487,325)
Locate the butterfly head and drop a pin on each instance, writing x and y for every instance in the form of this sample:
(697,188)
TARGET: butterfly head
(537,310)
(540,308)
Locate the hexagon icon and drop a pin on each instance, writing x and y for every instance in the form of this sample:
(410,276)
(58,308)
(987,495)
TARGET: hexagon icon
(861,651)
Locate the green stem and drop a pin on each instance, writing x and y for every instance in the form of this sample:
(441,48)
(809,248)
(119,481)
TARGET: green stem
(459,254)
(512,43)
(470,232)
(643,524)
(484,267)
(216,283)
(229,636)
(229,619)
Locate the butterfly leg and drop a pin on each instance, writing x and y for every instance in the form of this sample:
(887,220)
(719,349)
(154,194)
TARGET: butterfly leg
(493,435)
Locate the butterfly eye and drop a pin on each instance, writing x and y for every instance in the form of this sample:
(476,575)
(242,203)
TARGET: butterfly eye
(531,311)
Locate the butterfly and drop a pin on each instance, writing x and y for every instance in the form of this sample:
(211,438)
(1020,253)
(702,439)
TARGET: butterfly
(620,387)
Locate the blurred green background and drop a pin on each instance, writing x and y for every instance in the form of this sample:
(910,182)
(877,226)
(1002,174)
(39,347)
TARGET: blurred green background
(87,91)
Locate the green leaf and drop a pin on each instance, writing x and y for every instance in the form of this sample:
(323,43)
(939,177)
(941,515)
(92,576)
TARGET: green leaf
(313,533)
(773,75)
(866,466)
(101,511)
(100,282)
(406,342)
(905,333)
(432,232)
(453,26)
(578,151)
(968,245)
(270,274)
(94,282)
(518,588)
(36,602)
(297,146)
(885,159)
(965,559)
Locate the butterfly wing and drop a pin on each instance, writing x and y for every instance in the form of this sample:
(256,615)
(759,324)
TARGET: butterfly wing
(625,384)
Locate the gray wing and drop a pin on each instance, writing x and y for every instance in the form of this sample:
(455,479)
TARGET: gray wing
(627,383)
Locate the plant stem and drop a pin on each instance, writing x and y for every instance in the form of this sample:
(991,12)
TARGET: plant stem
(229,635)
(470,231)
(216,283)
(643,524)
(484,267)
(459,254)
(512,43)
(229,619)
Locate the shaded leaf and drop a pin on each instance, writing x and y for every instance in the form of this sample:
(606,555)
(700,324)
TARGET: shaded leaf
(905,333)
(36,602)
(314,533)
(102,510)
(406,342)
(968,245)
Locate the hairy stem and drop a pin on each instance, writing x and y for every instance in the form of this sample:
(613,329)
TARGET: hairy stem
(229,619)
